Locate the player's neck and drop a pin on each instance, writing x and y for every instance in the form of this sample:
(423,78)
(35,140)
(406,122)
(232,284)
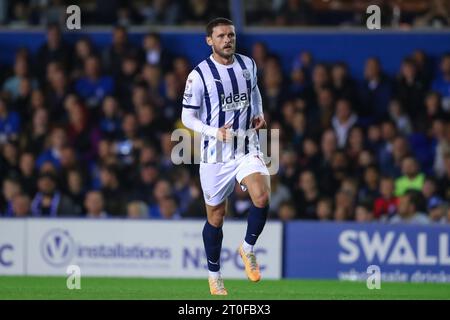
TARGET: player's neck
(222,60)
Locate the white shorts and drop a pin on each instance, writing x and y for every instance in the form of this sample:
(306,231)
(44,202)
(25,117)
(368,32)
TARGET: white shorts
(218,179)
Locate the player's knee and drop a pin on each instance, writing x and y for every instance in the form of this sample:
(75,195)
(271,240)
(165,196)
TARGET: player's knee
(262,199)
(216,221)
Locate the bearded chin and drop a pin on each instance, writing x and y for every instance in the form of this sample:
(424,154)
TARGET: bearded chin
(222,53)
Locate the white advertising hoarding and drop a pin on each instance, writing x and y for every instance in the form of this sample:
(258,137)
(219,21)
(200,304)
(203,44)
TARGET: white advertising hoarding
(145,248)
(12,246)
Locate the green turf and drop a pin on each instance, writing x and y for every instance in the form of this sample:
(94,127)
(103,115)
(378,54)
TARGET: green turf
(12,287)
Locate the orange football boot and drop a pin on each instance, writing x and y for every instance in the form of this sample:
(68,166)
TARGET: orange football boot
(251,266)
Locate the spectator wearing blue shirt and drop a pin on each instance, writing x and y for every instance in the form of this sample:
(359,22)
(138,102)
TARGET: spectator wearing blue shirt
(58,139)
(110,123)
(442,83)
(93,87)
(9,123)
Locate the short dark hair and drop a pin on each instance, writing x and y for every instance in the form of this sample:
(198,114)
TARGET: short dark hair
(217,22)
(416,199)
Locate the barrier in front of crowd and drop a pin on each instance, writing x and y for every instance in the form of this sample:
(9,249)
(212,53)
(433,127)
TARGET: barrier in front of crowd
(298,249)
(345,251)
(127,248)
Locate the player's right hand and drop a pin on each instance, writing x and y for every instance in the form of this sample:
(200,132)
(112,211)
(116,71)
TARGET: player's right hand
(225,134)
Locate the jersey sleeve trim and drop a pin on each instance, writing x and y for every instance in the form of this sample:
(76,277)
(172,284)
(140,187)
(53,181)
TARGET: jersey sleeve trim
(191,107)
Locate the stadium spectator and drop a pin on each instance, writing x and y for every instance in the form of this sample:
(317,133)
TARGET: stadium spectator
(279,193)
(137,210)
(343,85)
(375,91)
(125,79)
(369,190)
(94,204)
(429,189)
(363,212)
(168,208)
(83,50)
(386,204)
(411,177)
(441,84)
(273,90)
(54,50)
(9,163)
(28,174)
(11,85)
(154,52)
(113,55)
(444,181)
(307,196)
(75,188)
(410,209)
(93,86)
(111,189)
(181,177)
(343,210)
(21,205)
(343,120)
(9,123)
(288,168)
(196,207)
(58,139)
(49,201)
(436,210)
(409,89)
(145,182)
(433,108)
(440,132)
(355,144)
(287,211)
(436,16)
(259,55)
(401,119)
(162,189)
(10,188)
(58,90)
(310,156)
(325,209)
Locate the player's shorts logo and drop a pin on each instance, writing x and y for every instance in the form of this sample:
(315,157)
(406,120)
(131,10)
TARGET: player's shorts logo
(246,74)
(57,247)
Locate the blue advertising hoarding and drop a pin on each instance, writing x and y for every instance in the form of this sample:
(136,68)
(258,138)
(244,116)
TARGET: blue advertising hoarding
(345,251)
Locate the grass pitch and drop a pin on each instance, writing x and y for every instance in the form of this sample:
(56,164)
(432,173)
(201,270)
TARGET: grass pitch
(93,288)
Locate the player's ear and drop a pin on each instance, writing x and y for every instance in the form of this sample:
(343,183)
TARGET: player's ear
(209,41)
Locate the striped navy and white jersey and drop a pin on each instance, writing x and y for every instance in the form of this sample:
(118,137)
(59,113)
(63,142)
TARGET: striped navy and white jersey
(225,94)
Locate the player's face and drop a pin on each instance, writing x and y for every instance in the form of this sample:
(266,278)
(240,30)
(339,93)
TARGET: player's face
(223,40)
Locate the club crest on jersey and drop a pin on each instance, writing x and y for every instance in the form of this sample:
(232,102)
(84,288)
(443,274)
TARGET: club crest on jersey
(234,101)
(246,74)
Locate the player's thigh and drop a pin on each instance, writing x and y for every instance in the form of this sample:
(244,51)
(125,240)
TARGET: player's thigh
(252,173)
(217,181)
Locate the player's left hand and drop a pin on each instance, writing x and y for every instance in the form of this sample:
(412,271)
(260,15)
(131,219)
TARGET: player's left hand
(259,122)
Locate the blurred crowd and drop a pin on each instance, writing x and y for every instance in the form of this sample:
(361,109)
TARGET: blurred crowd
(395,13)
(87,132)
